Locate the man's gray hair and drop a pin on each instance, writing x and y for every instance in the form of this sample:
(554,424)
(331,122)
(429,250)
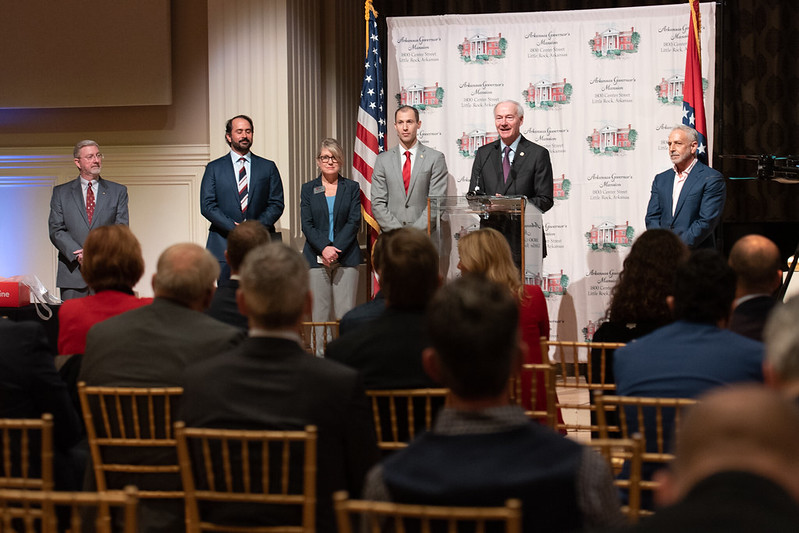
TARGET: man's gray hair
(781,336)
(274,281)
(519,107)
(83,144)
(693,136)
(185,274)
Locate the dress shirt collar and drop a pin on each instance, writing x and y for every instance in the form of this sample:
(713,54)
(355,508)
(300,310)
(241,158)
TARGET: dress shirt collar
(513,146)
(491,420)
(276,334)
(684,174)
(236,156)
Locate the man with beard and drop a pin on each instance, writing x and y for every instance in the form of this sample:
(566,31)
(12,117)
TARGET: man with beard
(239,186)
(76,208)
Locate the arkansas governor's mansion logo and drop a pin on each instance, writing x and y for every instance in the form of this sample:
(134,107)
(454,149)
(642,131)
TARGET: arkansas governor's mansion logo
(611,140)
(553,284)
(468,143)
(608,236)
(481,48)
(561,187)
(421,97)
(669,90)
(545,94)
(614,43)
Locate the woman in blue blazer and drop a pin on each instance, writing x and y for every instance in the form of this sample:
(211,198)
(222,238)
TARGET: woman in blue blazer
(330,209)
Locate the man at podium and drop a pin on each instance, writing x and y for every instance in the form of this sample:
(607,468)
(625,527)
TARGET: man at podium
(512,166)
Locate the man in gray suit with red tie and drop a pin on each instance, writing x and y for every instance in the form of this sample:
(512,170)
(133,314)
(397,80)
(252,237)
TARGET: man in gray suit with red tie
(406,175)
(512,166)
(79,206)
(239,186)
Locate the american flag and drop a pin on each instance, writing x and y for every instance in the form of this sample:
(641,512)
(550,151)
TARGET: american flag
(370,134)
(693,105)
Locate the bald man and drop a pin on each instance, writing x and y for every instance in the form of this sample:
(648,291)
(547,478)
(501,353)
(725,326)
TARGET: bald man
(756,262)
(736,466)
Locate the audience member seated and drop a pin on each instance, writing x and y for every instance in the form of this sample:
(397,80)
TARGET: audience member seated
(486,252)
(482,450)
(695,353)
(270,382)
(757,265)
(781,335)
(243,238)
(112,265)
(371,310)
(152,346)
(736,467)
(389,352)
(30,387)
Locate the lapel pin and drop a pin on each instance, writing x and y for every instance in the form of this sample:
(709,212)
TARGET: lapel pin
(521,154)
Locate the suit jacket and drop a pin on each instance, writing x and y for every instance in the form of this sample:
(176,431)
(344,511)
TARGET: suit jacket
(699,205)
(69,226)
(224,307)
(219,198)
(316,221)
(749,317)
(151,346)
(388,353)
(362,314)
(391,206)
(727,502)
(30,384)
(272,383)
(530,174)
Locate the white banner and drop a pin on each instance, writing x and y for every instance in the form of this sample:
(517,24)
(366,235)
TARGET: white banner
(601,90)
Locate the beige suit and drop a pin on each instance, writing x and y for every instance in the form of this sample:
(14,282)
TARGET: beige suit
(391,206)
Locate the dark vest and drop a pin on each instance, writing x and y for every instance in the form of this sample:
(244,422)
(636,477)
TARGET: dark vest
(530,462)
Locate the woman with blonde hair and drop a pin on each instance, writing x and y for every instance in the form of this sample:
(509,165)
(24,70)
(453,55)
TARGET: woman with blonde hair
(487,252)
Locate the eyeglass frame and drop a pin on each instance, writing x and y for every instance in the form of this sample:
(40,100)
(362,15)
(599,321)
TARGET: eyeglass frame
(327,158)
(98,156)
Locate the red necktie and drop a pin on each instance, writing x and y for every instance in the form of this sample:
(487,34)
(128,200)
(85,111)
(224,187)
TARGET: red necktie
(406,171)
(90,203)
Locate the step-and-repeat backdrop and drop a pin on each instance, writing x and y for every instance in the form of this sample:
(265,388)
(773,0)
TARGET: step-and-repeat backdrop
(601,90)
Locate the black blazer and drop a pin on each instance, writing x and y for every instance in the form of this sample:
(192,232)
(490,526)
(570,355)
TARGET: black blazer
(530,174)
(316,222)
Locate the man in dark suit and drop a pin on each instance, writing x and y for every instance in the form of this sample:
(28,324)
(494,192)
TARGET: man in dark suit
(244,237)
(388,352)
(239,186)
(512,166)
(270,382)
(687,199)
(735,469)
(30,386)
(757,265)
(395,203)
(76,208)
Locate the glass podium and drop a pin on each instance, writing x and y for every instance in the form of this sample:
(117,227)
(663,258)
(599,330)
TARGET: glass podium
(451,217)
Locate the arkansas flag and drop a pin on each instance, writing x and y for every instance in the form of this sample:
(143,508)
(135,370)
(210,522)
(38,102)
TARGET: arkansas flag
(693,104)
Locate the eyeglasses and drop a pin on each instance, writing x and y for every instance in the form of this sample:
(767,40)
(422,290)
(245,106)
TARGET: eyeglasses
(98,157)
(327,159)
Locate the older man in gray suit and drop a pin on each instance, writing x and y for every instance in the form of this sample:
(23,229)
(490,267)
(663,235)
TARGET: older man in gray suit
(406,175)
(76,208)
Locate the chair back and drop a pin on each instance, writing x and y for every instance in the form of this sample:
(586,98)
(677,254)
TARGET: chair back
(27,453)
(28,511)
(129,430)
(539,375)
(376,517)
(400,414)
(317,335)
(246,475)
(581,369)
(624,454)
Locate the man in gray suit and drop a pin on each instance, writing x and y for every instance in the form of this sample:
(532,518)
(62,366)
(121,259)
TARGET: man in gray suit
(406,175)
(76,208)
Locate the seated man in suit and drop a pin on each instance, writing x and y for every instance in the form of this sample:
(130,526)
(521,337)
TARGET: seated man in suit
(687,199)
(482,449)
(756,262)
(244,237)
(270,382)
(781,335)
(736,467)
(406,175)
(30,387)
(388,353)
